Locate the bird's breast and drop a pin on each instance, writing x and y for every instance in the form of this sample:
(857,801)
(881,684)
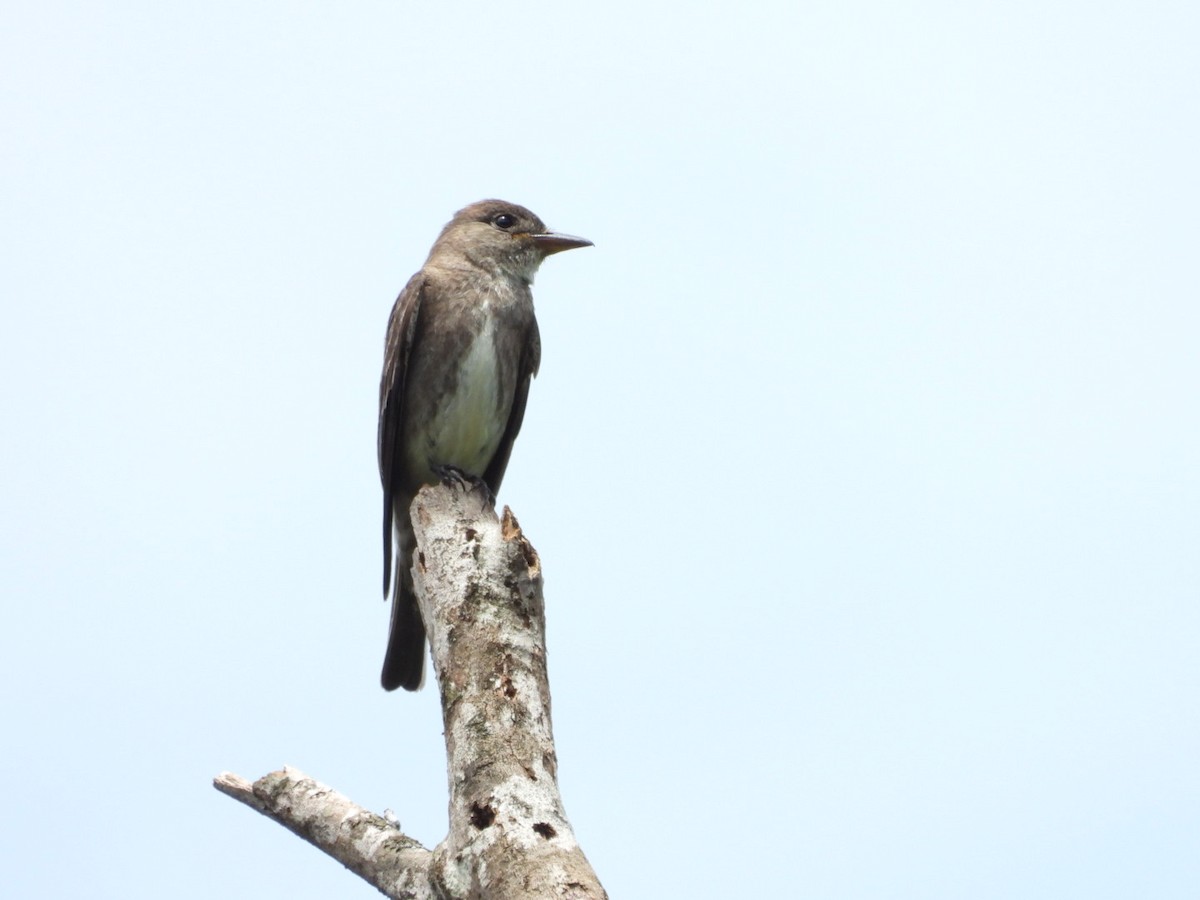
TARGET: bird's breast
(463,426)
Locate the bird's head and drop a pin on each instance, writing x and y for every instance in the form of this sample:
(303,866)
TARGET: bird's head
(501,237)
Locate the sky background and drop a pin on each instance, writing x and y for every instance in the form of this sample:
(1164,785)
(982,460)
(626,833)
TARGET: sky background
(863,461)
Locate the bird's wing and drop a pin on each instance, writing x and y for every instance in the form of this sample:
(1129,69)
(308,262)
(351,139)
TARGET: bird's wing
(402,326)
(531,358)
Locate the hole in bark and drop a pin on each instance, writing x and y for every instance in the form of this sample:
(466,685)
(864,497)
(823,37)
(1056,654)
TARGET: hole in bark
(421,560)
(545,829)
(471,533)
(482,815)
(507,687)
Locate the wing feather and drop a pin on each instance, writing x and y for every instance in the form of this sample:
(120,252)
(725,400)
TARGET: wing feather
(531,358)
(402,325)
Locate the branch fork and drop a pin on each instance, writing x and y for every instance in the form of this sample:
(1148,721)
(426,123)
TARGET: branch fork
(479,584)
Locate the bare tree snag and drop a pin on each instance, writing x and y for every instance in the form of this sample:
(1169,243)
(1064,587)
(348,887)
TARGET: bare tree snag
(479,584)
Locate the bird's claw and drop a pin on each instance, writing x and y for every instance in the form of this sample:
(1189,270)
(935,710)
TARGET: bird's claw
(453,476)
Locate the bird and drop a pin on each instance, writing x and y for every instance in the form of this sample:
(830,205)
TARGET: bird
(462,347)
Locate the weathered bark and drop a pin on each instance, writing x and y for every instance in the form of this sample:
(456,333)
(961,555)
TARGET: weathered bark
(366,844)
(479,584)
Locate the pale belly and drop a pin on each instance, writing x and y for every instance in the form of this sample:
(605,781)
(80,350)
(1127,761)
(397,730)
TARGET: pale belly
(464,429)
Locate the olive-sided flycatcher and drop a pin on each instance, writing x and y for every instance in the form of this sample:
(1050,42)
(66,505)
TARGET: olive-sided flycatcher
(462,347)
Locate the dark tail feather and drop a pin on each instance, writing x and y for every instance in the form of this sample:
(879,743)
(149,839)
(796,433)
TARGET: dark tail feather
(404,662)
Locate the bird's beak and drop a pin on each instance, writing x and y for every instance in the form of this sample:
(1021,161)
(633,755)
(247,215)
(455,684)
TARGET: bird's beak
(553,242)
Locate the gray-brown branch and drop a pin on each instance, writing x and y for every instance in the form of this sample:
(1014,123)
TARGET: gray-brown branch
(479,584)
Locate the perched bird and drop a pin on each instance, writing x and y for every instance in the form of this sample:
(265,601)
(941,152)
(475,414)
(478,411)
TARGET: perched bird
(462,347)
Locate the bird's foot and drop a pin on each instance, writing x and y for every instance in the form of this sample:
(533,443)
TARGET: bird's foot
(454,476)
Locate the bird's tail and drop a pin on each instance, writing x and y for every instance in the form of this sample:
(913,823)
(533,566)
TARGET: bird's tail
(404,661)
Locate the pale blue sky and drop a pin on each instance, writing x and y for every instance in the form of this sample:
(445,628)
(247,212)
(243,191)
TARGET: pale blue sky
(862,463)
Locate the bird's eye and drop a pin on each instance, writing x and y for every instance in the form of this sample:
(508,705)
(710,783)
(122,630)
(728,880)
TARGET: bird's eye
(504,220)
